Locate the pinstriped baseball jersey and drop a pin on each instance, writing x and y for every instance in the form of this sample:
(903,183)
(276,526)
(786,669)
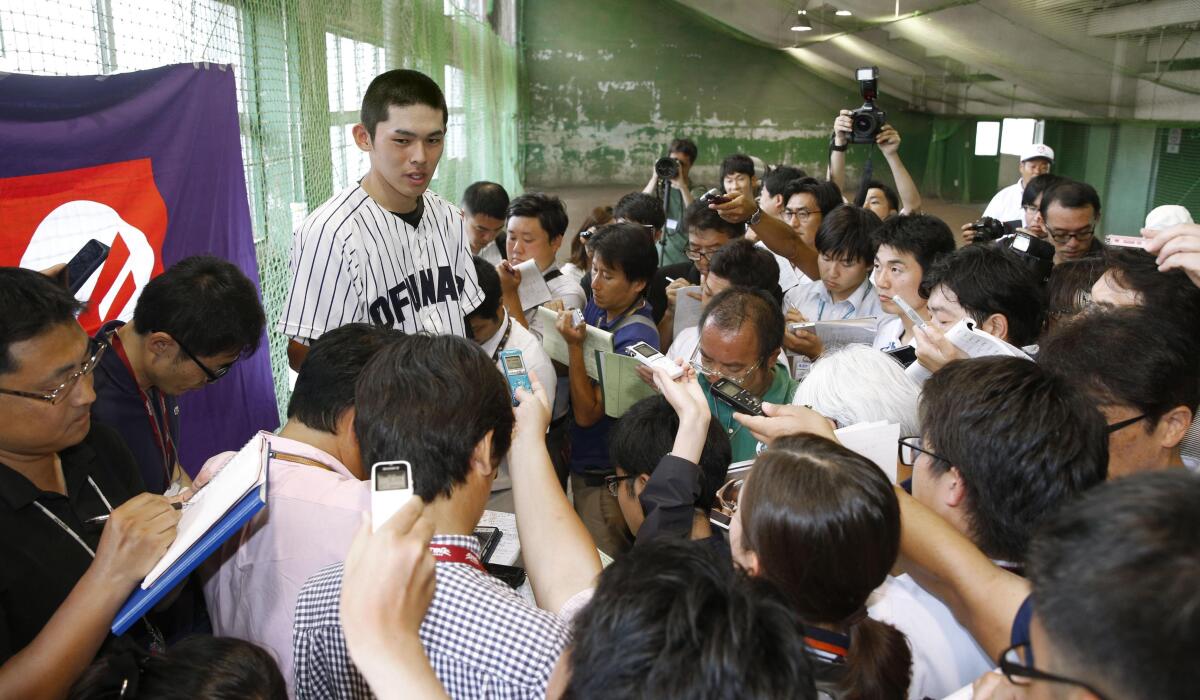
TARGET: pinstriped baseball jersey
(352,260)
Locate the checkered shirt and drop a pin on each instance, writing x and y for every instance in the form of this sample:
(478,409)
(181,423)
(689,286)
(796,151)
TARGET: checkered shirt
(483,639)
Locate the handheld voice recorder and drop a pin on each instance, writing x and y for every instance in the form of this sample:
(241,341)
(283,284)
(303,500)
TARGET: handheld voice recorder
(516,373)
(645,353)
(737,397)
(391,487)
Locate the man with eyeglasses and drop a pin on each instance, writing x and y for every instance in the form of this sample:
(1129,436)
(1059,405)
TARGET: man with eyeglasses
(190,325)
(1005,444)
(1148,397)
(63,578)
(741,331)
(1070,212)
(706,233)
(1036,159)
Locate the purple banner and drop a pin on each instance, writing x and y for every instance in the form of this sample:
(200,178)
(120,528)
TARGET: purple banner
(150,163)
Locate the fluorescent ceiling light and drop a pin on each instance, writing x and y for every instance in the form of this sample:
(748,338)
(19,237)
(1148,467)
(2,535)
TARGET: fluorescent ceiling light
(802,23)
(843,13)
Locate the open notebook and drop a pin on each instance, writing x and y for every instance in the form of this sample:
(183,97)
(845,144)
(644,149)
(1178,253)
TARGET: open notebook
(212,516)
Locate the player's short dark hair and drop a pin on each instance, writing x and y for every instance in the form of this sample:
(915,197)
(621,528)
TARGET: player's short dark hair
(827,194)
(735,306)
(737,163)
(641,208)
(399,88)
(1038,185)
(699,217)
(1069,290)
(685,146)
(847,233)
(989,280)
(1071,194)
(646,433)
(1025,440)
(1093,351)
(1114,585)
(889,192)
(325,384)
(546,208)
(489,282)
(205,303)
(747,265)
(778,177)
(1170,293)
(925,237)
(429,400)
(687,625)
(30,304)
(487,198)
(627,248)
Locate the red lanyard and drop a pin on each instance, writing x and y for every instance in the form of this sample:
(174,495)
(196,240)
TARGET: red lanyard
(454,554)
(165,446)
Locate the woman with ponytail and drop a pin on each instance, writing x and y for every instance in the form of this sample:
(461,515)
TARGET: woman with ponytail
(823,524)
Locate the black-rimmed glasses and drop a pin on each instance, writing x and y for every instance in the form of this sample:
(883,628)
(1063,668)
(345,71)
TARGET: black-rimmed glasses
(95,351)
(612,480)
(911,446)
(210,375)
(1016,663)
(698,255)
(1081,236)
(1110,429)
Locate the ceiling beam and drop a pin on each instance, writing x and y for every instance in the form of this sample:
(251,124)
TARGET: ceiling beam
(1143,17)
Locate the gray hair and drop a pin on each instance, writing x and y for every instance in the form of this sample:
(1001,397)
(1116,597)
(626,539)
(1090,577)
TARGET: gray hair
(858,384)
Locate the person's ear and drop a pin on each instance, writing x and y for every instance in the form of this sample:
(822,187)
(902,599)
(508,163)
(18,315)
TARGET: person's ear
(556,243)
(771,359)
(481,456)
(750,564)
(362,139)
(639,484)
(160,344)
(954,488)
(996,325)
(638,286)
(1172,426)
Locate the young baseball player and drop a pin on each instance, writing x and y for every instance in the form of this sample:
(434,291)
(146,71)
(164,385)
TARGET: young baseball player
(385,251)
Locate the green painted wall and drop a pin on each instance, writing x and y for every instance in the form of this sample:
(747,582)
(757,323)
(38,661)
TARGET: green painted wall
(606,86)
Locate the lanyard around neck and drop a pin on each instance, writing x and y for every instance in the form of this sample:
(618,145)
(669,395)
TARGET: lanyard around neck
(455,554)
(67,528)
(162,434)
(503,339)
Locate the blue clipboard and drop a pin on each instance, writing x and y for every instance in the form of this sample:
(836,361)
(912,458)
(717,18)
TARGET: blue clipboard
(144,599)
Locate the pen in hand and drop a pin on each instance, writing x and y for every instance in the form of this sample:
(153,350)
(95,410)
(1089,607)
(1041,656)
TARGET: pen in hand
(178,505)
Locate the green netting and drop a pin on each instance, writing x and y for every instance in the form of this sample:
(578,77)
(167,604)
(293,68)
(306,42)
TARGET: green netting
(302,67)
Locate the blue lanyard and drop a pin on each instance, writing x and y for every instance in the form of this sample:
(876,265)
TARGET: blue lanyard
(821,311)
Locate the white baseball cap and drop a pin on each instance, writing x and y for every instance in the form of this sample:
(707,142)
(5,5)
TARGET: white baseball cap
(1037,150)
(1168,215)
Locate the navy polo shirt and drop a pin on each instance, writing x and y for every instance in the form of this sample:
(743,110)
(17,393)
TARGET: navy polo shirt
(119,405)
(589,446)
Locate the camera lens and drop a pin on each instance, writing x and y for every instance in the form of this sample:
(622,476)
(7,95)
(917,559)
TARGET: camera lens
(666,168)
(863,123)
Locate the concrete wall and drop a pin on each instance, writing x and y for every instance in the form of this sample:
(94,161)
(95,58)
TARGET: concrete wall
(601,105)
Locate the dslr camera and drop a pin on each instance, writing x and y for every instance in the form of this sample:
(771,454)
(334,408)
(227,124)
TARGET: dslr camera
(867,121)
(1034,252)
(667,168)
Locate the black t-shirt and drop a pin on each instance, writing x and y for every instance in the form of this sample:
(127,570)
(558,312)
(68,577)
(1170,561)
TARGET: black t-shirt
(656,294)
(41,561)
(413,218)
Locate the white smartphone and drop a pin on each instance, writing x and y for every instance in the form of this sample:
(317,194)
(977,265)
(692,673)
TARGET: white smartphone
(645,353)
(391,487)
(909,311)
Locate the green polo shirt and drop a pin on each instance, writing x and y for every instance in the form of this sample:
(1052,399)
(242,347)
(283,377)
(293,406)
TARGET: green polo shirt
(781,391)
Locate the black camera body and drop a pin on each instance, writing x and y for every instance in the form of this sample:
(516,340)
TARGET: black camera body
(989,229)
(867,121)
(1034,252)
(667,168)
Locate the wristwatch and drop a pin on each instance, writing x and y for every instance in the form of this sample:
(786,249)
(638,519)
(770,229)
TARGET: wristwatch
(755,217)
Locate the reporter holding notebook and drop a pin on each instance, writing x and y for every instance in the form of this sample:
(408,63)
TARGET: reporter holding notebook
(62,581)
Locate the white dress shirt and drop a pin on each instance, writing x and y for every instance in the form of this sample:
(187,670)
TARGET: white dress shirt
(1006,205)
(816,304)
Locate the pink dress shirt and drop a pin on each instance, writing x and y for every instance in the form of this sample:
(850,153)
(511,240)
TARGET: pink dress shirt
(312,514)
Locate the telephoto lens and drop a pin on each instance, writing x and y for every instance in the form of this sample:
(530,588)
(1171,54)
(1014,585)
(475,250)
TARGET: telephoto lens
(667,168)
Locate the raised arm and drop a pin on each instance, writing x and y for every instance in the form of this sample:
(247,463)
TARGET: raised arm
(889,143)
(134,539)
(587,401)
(837,159)
(983,597)
(559,554)
(780,238)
